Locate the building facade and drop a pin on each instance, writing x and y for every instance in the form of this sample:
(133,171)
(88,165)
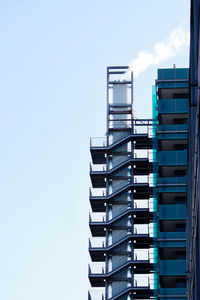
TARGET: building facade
(138,194)
(170,108)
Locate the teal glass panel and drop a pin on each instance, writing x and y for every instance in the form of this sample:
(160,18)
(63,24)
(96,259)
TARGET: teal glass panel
(172,244)
(172,180)
(173,298)
(172,158)
(173,127)
(171,77)
(173,136)
(172,235)
(173,106)
(177,73)
(173,267)
(172,189)
(174,84)
(172,291)
(172,212)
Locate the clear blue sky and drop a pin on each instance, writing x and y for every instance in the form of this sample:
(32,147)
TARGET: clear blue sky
(53,59)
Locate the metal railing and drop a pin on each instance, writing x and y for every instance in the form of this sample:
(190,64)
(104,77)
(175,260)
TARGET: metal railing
(140,126)
(102,141)
(97,217)
(97,192)
(115,163)
(102,269)
(96,242)
(145,283)
(96,268)
(96,294)
(122,184)
(99,294)
(97,168)
(118,212)
(98,141)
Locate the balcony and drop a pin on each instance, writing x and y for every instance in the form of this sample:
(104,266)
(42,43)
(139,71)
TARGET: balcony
(172,132)
(172,212)
(173,106)
(172,267)
(173,128)
(172,158)
(173,79)
(172,189)
(172,235)
(172,239)
(180,292)
(169,181)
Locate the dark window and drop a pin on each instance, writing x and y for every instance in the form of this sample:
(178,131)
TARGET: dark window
(180,121)
(180,284)
(180,146)
(180,255)
(180,96)
(180,227)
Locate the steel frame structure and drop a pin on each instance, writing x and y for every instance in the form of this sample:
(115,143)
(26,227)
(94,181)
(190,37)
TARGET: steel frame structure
(123,211)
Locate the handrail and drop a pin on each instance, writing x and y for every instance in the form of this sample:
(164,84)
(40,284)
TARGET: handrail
(118,187)
(119,138)
(136,124)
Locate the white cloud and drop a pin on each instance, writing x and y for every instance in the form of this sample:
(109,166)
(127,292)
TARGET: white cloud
(178,39)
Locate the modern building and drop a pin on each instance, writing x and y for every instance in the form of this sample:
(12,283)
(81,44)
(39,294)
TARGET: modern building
(138,194)
(193,207)
(170,108)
